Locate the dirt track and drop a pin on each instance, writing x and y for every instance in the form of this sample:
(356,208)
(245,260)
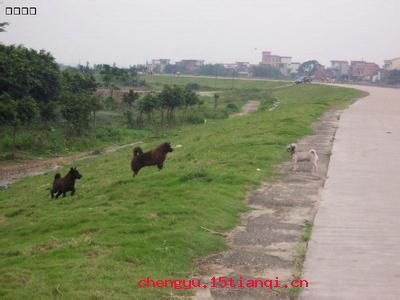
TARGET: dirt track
(264,245)
(250,107)
(28,168)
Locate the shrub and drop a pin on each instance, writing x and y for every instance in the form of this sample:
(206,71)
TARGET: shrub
(231,108)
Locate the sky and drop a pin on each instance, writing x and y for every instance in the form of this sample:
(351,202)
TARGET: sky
(130,32)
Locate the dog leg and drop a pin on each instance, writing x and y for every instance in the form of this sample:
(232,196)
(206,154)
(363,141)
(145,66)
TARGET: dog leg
(295,166)
(160,166)
(315,167)
(58,194)
(64,194)
(72,192)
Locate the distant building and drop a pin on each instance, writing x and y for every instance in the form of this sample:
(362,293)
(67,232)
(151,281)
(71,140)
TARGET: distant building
(274,60)
(294,67)
(242,66)
(364,71)
(341,69)
(157,65)
(280,62)
(392,64)
(239,68)
(190,64)
(324,74)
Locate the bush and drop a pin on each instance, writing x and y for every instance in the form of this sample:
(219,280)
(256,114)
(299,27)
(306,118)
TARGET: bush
(110,104)
(231,108)
(109,133)
(216,114)
(195,118)
(129,119)
(193,86)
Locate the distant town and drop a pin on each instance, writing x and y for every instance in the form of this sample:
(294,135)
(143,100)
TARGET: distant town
(282,67)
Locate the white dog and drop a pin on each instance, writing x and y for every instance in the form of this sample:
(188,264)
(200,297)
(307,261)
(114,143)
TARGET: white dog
(310,156)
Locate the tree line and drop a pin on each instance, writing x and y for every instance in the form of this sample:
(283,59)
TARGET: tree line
(35,90)
(165,103)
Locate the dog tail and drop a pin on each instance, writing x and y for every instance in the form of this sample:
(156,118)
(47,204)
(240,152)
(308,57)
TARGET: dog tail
(137,151)
(313,152)
(57,176)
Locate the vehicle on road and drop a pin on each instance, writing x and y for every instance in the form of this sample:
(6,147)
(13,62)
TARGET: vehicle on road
(304,79)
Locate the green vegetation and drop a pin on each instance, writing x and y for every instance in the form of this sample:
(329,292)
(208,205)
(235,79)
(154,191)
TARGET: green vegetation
(118,229)
(309,67)
(36,95)
(45,110)
(301,251)
(210,83)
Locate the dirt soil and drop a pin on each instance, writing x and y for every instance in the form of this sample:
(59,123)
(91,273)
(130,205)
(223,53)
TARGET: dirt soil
(265,244)
(11,171)
(250,107)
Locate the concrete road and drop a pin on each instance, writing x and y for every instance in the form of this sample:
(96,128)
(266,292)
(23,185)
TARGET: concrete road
(354,252)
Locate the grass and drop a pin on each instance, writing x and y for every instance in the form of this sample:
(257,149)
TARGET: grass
(210,83)
(301,250)
(36,141)
(39,141)
(118,229)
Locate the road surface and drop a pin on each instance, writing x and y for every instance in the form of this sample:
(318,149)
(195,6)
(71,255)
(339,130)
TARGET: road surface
(354,252)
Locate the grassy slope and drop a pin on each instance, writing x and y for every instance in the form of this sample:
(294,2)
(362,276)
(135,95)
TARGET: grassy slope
(33,142)
(117,229)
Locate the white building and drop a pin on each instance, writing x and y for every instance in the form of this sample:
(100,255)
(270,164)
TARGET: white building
(392,64)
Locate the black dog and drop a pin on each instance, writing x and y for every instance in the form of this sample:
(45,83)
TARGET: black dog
(155,157)
(65,184)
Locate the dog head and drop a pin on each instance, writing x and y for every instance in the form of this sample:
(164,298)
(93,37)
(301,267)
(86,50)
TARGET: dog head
(166,147)
(291,148)
(75,173)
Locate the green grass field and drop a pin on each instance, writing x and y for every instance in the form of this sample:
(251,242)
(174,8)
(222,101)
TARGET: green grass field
(118,229)
(210,83)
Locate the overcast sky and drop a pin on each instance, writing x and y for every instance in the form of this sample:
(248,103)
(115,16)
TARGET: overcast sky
(135,31)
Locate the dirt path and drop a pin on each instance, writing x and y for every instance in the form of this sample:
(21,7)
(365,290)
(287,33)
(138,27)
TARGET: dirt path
(264,245)
(16,170)
(249,107)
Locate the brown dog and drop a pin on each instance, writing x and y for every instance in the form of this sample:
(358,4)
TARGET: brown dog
(155,157)
(65,184)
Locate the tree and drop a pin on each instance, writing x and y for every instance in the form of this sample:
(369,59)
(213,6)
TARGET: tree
(216,97)
(308,68)
(190,98)
(147,105)
(76,111)
(26,72)
(130,98)
(96,104)
(171,98)
(48,111)
(266,71)
(193,86)
(78,99)
(214,70)
(15,113)
(76,82)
